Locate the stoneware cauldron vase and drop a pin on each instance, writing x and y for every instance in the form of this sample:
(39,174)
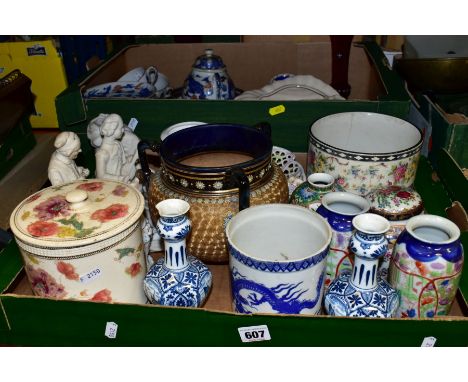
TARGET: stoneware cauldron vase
(219,169)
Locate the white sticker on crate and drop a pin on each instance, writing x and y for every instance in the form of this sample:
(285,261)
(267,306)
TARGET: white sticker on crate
(90,276)
(428,342)
(111,330)
(254,333)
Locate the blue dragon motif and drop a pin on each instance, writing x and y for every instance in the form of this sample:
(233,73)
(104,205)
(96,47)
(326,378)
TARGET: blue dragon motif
(283,298)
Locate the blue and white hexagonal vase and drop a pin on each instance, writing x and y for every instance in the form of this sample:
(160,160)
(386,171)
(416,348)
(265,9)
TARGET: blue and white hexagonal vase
(362,292)
(177,279)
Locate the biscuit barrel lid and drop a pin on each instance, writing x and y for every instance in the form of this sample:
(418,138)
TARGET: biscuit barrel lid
(76,214)
(395,203)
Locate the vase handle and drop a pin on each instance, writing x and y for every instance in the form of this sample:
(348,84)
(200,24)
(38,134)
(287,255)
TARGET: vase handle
(142,147)
(236,178)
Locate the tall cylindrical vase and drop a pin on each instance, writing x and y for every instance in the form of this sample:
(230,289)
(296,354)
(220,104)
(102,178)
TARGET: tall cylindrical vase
(426,266)
(177,279)
(362,292)
(339,208)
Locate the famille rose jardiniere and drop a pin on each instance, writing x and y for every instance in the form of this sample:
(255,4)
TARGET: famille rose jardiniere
(83,240)
(364,151)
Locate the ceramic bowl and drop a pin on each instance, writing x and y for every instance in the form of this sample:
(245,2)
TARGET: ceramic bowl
(291,87)
(277,259)
(364,151)
(121,89)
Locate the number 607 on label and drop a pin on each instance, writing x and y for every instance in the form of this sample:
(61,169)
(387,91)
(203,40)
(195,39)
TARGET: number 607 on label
(254,333)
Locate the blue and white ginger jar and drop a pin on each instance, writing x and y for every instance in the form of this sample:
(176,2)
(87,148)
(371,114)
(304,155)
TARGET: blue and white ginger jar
(208,79)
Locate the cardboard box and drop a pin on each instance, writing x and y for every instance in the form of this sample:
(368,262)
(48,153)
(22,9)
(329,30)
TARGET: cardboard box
(40,61)
(449,129)
(30,320)
(374,87)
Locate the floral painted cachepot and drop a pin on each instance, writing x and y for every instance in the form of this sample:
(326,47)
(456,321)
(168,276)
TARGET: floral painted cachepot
(426,266)
(83,240)
(397,205)
(364,151)
(177,279)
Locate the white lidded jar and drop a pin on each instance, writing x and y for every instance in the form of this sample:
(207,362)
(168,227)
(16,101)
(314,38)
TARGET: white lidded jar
(83,240)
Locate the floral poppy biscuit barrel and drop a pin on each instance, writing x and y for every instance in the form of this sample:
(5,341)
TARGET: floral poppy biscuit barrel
(83,240)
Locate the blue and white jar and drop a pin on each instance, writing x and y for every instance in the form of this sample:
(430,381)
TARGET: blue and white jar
(277,259)
(177,279)
(339,208)
(362,293)
(208,79)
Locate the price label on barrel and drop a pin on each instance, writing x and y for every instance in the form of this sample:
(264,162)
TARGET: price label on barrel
(90,276)
(254,333)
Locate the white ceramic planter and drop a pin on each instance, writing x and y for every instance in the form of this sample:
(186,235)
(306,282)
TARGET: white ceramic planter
(277,259)
(364,151)
(83,240)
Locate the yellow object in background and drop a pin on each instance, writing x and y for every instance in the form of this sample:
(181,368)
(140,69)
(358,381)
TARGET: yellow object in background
(40,61)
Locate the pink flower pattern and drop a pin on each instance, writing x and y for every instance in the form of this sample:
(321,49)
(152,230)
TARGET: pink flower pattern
(43,284)
(52,207)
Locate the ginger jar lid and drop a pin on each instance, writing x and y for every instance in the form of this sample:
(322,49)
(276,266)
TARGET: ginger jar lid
(395,203)
(209,61)
(76,214)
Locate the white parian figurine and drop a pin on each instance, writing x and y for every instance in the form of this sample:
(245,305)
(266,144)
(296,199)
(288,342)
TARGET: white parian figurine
(121,167)
(111,162)
(62,168)
(129,142)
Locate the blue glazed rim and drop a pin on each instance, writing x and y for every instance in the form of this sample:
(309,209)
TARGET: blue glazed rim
(422,249)
(279,266)
(341,221)
(220,137)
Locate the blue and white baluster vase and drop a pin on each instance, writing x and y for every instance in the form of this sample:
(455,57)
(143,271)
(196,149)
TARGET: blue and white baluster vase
(362,293)
(339,209)
(177,279)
